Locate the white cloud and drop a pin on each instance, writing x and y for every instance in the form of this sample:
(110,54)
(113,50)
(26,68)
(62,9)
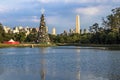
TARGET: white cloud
(78,1)
(48,1)
(94,1)
(34,19)
(3,9)
(88,10)
(6,9)
(116,0)
(90,15)
(94,10)
(64,1)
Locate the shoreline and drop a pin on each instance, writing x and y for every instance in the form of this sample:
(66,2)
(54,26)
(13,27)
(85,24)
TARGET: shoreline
(87,45)
(102,46)
(25,45)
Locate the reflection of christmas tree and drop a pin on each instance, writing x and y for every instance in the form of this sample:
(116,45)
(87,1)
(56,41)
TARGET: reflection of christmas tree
(42,33)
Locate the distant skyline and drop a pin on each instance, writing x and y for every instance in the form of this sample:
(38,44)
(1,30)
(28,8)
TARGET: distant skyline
(60,14)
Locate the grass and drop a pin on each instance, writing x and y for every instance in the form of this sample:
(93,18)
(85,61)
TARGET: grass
(25,45)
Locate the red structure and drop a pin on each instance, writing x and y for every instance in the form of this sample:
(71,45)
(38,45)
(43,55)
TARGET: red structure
(11,42)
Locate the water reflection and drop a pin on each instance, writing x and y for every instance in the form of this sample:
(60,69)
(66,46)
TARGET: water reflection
(1,67)
(114,70)
(78,64)
(43,63)
(78,49)
(59,64)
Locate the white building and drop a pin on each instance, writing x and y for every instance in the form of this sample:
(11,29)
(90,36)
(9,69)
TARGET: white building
(53,31)
(20,27)
(6,29)
(15,30)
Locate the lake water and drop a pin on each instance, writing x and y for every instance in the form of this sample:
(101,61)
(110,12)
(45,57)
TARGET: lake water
(59,63)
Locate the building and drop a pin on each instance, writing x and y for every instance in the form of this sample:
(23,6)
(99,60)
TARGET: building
(77,29)
(71,31)
(53,31)
(15,30)
(6,29)
(65,33)
(20,27)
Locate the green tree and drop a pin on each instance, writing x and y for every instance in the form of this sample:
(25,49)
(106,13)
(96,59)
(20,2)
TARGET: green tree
(8,36)
(111,38)
(31,37)
(113,20)
(85,38)
(1,33)
(20,37)
(94,28)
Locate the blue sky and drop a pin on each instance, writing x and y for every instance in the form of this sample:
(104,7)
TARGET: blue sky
(58,13)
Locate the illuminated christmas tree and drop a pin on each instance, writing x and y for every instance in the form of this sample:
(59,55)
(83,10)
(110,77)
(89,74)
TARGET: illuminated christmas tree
(43,32)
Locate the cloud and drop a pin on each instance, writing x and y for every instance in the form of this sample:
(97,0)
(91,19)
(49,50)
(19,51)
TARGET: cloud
(88,10)
(3,9)
(92,14)
(7,8)
(116,0)
(59,13)
(78,1)
(34,19)
(13,5)
(94,10)
(48,1)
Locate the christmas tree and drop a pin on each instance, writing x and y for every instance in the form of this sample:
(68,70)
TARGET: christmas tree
(43,33)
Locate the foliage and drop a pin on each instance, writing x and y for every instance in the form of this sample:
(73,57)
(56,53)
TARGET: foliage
(108,33)
(1,33)
(20,37)
(31,37)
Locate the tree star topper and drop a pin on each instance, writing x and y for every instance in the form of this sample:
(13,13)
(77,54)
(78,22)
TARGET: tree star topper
(42,10)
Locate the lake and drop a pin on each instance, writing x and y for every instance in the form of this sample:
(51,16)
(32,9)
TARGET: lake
(59,63)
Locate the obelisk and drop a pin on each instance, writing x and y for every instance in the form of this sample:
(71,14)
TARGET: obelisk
(77,30)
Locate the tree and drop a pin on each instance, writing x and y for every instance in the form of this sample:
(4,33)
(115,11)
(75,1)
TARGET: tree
(94,28)
(30,38)
(1,33)
(20,37)
(113,20)
(85,38)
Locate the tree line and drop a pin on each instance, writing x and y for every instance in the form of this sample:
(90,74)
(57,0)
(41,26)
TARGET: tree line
(107,33)
(21,36)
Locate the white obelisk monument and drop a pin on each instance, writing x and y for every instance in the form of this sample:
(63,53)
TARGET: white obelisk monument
(77,29)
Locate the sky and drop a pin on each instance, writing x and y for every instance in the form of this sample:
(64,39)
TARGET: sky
(60,14)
